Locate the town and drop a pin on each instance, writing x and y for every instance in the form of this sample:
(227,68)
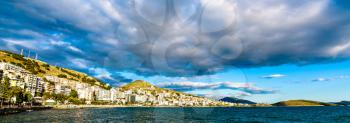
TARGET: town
(42,89)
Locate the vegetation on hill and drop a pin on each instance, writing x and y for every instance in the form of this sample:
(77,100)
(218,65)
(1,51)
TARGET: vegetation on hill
(136,85)
(42,69)
(302,103)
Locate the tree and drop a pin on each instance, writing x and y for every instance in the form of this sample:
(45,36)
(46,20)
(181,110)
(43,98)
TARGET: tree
(2,93)
(5,93)
(16,92)
(27,97)
(94,97)
(59,97)
(75,101)
(47,95)
(73,94)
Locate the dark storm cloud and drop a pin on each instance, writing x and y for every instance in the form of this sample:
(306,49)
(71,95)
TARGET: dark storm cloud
(169,38)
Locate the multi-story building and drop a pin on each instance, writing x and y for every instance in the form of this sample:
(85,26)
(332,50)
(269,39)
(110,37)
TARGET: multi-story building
(104,95)
(83,90)
(32,84)
(21,78)
(49,87)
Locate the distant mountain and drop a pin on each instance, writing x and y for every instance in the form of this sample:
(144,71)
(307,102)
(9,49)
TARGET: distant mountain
(236,100)
(43,69)
(302,103)
(343,103)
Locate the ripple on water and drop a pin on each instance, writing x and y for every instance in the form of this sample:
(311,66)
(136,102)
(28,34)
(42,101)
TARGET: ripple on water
(169,115)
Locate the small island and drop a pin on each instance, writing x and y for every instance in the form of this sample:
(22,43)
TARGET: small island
(302,103)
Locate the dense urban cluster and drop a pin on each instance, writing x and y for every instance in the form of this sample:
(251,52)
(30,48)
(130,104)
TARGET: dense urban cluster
(154,96)
(53,89)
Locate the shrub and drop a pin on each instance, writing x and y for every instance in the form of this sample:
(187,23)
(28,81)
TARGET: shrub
(62,76)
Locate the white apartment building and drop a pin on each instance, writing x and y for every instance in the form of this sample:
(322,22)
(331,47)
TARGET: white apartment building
(21,78)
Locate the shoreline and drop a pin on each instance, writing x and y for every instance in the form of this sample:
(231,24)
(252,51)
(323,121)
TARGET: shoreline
(134,106)
(8,111)
(131,106)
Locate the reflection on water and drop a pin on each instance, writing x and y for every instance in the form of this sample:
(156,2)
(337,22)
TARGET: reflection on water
(260,114)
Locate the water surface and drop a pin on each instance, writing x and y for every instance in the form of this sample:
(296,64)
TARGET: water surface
(166,115)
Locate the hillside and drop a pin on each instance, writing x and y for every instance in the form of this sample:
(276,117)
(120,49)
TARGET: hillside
(42,69)
(302,103)
(137,84)
(236,100)
(140,84)
(343,103)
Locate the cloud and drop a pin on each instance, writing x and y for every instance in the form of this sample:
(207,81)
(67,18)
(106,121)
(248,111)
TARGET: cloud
(139,37)
(218,95)
(101,73)
(80,63)
(109,77)
(11,43)
(324,79)
(321,80)
(342,77)
(191,86)
(65,45)
(274,76)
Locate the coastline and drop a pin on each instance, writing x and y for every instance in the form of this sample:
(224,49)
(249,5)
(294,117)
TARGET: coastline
(133,106)
(7,111)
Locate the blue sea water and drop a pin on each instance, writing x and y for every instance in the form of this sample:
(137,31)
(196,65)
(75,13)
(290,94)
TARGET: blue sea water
(176,115)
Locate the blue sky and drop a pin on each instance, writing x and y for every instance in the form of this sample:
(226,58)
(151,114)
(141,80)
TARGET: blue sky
(265,51)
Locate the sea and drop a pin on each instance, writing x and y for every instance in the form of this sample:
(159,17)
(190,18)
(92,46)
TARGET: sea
(185,115)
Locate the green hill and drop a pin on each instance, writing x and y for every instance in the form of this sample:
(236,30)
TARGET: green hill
(137,84)
(42,69)
(302,103)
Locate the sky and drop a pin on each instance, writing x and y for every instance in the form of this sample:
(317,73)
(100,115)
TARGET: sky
(265,51)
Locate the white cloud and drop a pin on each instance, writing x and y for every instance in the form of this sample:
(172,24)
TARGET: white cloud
(321,79)
(67,45)
(341,48)
(274,76)
(101,73)
(191,86)
(80,63)
(27,32)
(342,77)
(11,43)
(324,79)
(214,94)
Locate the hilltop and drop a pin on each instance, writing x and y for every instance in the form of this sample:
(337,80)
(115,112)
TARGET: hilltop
(302,103)
(236,100)
(43,69)
(137,84)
